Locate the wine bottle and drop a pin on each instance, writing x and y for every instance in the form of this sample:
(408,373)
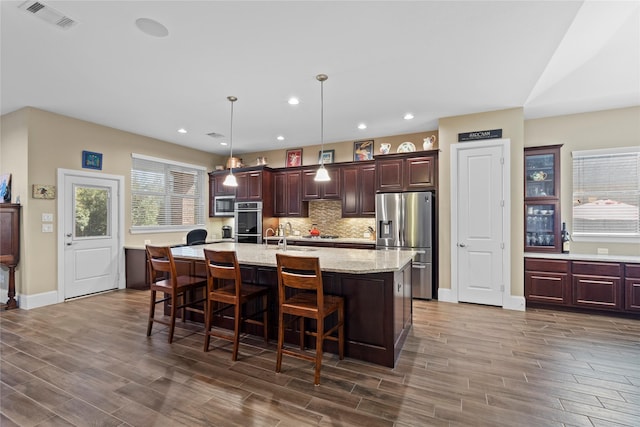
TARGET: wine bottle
(565,239)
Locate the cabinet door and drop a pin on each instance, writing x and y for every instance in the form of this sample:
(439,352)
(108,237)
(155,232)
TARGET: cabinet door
(367,186)
(547,288)
(242,188)
(312,190)
(216,185)
(294,194)
(542,172)
(280,194)
(542,227)
(632,295)
(350,191)
(420,174)
(254,186)
(597,292)
(390,175)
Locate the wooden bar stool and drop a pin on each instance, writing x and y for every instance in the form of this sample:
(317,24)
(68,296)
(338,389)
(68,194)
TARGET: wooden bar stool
(164,278)
(225,289)
(301,296)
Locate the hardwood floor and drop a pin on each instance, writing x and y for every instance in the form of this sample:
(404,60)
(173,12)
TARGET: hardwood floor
(89,362)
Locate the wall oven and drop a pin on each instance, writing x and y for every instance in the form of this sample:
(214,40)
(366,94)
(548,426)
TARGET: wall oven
(248,222)
(224,205)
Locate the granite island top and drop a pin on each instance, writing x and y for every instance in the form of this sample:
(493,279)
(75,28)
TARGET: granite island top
(338,260)
(318,239)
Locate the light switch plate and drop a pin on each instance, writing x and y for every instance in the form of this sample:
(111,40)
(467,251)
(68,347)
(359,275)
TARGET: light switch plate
(47,217)
(603,251)
(47,228)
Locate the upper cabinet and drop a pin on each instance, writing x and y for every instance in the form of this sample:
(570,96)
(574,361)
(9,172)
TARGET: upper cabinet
(406,172)
(313,190)
(358,190)
(542,198)
(254,184)
(287,194)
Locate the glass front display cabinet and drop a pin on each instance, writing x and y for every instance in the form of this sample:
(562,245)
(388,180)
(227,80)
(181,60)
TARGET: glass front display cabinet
(542,199)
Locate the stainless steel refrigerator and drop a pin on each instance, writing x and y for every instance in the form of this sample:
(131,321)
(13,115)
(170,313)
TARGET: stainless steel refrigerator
(404,220)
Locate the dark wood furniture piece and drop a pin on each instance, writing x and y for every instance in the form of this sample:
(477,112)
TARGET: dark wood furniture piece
(301,296)
(287,194)
(10,247)
(313,190)
(542,199)
(358,189)
(407,172)
(224,290)
(255,183)
(593,285)
(164,278)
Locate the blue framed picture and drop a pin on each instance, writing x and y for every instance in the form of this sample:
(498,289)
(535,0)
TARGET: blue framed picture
(91,160)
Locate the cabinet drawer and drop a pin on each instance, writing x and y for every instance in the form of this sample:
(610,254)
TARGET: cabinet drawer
(632,295)
(554,266)
(597,292)
(548,288)
(597,268)
(632,271)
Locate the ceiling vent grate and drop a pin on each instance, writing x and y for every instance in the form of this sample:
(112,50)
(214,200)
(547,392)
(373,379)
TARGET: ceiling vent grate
(48,14)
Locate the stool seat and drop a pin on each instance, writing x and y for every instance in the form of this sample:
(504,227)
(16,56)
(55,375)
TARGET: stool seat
(301,296)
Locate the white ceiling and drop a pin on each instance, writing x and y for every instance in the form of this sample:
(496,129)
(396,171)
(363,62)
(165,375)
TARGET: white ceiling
(383,59)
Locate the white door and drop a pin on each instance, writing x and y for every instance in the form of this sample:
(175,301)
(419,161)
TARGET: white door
(90,234)
(479,244)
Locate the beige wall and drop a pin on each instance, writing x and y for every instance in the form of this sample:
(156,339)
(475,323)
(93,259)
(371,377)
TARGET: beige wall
(343,150)
(54,141)
(511,122)
(602,129)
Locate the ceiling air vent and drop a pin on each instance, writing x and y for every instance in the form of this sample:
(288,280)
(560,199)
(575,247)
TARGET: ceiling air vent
(48,14)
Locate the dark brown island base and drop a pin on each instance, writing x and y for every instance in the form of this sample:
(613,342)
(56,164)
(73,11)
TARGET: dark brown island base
(376,285)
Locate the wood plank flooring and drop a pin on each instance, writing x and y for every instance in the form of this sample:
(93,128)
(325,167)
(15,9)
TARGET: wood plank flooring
(89,362)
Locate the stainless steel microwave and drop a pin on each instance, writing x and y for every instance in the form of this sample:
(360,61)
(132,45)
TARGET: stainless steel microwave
(223,205)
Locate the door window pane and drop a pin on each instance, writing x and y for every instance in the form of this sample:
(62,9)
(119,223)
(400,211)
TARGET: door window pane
(91,207)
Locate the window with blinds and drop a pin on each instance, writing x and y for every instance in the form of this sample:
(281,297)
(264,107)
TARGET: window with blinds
(165,195)
(606,193)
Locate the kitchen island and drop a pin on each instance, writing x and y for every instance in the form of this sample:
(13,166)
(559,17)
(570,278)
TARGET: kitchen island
(376,286)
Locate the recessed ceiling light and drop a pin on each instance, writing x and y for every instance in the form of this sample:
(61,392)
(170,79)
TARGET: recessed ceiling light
(151,27)
(223,143)
(408,116)
(362,126)
(293,101)
(182,130)
(280,138)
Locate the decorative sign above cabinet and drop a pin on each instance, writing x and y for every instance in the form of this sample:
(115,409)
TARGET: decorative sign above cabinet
(480,134)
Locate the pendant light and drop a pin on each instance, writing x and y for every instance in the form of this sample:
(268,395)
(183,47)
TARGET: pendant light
(230,180)
(322,175)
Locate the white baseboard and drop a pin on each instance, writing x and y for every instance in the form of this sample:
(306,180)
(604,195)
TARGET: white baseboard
(445,295)
(27,302)
(514,303)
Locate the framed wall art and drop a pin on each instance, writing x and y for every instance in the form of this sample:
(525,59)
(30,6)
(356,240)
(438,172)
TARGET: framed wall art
(5,188)
(294,158)
(91,160)
(326,156)
(43,191)
(363,150)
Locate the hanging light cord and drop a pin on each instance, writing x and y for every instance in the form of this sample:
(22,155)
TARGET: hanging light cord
(322,121)
(232,99)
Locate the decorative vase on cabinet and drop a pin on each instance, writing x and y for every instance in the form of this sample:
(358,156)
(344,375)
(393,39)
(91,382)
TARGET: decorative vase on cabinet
(542,199)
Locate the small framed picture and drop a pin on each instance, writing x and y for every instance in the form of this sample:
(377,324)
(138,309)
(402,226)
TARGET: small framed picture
(363,150)
(326,156)
(294,158)
(91,160)
(43,191)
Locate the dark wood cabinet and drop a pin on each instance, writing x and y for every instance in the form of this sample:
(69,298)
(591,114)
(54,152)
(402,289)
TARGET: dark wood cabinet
(547,281)
(406,172)
(10,247)
(358,190)
(596,285)
(216,187)
(254,184)
(251,186)
(312,190)
(542,199)
(287,194)
(632,287)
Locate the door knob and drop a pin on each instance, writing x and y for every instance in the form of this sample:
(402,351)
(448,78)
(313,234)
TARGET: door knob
(69,234)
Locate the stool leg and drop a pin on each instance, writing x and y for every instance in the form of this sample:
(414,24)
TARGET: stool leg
(236,329)
(301,327)
(341,331)
(152,310)
(265,316)
(319,341)
(280,340)
(207,323)
(172,321)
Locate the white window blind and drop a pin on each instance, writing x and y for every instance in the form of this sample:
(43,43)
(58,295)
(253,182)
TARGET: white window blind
(165,195)
(606,193)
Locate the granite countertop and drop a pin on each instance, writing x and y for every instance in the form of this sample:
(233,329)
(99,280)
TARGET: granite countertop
(338,260)
(173,243)
(318,239)
(584,257)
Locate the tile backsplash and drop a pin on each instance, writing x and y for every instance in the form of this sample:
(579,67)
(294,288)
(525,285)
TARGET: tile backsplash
(327,215)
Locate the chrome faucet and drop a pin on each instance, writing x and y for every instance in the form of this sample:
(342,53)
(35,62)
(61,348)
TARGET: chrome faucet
(266,234)
(283,239)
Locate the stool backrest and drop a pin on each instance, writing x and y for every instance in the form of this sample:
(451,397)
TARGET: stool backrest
(222,265)
(161,263)
(301,273)
(197,236)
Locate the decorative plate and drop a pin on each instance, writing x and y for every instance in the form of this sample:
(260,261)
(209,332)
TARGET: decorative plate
(406,147)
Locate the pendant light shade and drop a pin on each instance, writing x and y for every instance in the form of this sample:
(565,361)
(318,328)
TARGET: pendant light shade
(230,180)
(322,175)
